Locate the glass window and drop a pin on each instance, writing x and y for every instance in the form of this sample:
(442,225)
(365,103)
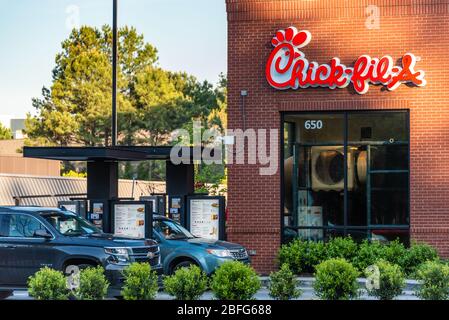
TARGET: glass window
(334,186)
(387,235)
(171,230)
(4,225)
(318,128)
(389,157)
(356,185)
(69,224)
(320,178)
(389,208)
(378,126)
(289,136)
(19,226)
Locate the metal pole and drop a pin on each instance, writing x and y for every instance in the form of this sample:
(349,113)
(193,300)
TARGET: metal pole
(114,74)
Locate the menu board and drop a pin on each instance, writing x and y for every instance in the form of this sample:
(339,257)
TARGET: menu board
(204,218)
(129,220)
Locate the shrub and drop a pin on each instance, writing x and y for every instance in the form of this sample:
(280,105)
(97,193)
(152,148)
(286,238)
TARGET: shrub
(395,252)
(293,254)
(336,279)
(140,282)
(302,256)
(93,284)
(368,254)
(187,283)
(434,278)
(48,284)
(315,254)
(390,281)
(283,284)
(344,248)
(417,255)
(235,281)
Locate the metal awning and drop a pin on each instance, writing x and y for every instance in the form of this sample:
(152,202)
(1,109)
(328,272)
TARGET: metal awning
(82,154)
(123,153)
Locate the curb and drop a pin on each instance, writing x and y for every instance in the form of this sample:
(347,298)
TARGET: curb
(308,282)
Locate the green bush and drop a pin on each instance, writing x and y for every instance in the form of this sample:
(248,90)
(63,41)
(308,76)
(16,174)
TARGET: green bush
(368,254)
(344,248)
(93,284)
(316,254)
(389,283)
(336,279)
(141,283)
(395,252)
(187,283)
(235,281)
(416,255)
(48,284)
(434,278)
(283,284)
(302,256)
(293,254)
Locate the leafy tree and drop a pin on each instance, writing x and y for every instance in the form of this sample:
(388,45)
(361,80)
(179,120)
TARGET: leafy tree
(74,174)
(5,133)
(76,109)
(152,102)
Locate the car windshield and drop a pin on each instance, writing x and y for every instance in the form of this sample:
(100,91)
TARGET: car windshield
(69,224)
(171,230)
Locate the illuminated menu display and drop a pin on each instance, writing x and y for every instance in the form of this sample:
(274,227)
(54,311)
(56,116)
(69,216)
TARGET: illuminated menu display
(129,220)
(205,218)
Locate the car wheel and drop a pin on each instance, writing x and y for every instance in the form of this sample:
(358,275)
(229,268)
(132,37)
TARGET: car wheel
(5,294)
(183,264)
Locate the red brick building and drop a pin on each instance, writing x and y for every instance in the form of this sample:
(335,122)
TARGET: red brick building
(396,181)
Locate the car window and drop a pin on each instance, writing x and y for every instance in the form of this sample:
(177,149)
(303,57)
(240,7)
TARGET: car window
(19,226)
(69,224)
(170,230)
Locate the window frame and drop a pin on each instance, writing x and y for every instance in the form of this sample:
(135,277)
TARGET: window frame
(346,227)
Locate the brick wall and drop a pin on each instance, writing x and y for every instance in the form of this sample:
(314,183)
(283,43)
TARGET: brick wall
(339,29)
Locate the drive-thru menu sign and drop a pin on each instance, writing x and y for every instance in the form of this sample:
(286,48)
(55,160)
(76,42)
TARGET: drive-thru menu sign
(132,219)
(206,217)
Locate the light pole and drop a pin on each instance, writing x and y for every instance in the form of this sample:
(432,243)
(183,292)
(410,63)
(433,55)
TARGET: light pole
(114,73)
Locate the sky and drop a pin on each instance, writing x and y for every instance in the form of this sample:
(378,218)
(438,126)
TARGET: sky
(190,36)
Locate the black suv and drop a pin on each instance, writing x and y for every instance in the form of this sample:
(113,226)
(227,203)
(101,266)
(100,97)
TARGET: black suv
(32,238)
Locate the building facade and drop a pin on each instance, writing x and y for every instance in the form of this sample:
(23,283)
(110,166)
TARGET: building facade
(13,162)
(361,138)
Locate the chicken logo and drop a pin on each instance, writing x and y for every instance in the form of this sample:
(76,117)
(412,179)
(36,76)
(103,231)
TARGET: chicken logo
(288,68)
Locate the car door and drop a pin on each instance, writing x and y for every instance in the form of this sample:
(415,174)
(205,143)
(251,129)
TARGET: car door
(22,248)
(6,251)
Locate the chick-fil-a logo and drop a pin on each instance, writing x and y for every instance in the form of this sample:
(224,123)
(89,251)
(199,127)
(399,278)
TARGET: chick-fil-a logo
(288,68)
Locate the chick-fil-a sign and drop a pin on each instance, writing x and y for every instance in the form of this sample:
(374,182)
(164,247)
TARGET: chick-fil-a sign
(288,68)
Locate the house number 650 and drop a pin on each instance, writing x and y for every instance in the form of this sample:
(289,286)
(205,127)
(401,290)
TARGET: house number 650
(314,125)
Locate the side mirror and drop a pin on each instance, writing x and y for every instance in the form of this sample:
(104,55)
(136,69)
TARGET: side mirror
(42,234)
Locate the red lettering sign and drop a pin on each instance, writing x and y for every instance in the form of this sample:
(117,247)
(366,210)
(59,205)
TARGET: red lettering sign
(288,68)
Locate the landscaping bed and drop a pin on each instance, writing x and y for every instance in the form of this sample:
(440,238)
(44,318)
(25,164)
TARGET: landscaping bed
(341,269)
